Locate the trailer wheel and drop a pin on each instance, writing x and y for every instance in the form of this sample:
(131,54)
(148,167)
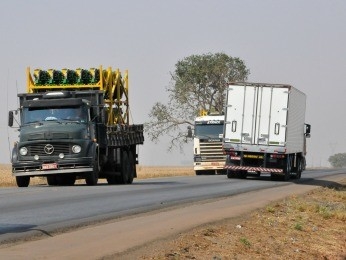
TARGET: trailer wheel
(23,181)
(124,177)
(242,174)
(131,168)
(231,174)
(299,169)
(287,170)
(274,177)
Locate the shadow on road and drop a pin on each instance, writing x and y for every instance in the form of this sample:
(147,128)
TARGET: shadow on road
(20,228)
(305,181)
(320,183)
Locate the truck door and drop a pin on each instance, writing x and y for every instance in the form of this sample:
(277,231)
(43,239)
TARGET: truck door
(263,115)
(278,116)
(240,123)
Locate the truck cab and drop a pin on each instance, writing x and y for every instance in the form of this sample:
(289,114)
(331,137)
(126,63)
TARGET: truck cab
(207,145)
(56,136)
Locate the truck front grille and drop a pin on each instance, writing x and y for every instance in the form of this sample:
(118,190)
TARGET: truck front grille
(212,152)
(39,149)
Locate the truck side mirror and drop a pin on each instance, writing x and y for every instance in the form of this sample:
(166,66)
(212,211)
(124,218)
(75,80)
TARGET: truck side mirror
(307,130)
(189,132)
(10,118)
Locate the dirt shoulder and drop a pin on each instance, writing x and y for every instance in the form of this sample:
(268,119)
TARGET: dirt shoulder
(253,225)
(311,225)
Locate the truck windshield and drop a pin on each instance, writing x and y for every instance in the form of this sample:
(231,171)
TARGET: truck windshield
(208,130)
(39,114)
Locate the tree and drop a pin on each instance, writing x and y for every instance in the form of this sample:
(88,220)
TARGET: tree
(338,160)
(198,83)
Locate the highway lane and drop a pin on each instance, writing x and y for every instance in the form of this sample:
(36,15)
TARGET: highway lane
(43,209)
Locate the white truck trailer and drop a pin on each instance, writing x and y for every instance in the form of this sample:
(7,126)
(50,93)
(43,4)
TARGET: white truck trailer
(265,130)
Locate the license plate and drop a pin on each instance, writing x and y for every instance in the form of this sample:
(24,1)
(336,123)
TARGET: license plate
(252,156)
(215,163)
(49,166)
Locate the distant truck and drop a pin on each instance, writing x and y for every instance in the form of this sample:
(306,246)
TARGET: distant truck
(74,124)
(265,130)
(207,145)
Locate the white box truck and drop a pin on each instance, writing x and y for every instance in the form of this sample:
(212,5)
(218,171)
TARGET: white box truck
(265,130)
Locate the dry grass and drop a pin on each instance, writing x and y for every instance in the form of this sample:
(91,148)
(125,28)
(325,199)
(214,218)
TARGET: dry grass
(312,226)
(143,172)
(7,180)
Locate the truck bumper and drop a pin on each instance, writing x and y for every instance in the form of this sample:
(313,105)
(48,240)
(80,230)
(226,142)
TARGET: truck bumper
(30,168)
(201,166)
(252,169)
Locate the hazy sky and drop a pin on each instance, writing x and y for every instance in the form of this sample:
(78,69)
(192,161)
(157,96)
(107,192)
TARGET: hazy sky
(297,42)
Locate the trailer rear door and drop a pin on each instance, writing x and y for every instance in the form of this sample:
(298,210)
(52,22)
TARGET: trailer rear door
(241,108)
(278,116)
(256,114)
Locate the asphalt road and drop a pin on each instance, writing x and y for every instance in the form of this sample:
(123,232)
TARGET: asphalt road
(44,209)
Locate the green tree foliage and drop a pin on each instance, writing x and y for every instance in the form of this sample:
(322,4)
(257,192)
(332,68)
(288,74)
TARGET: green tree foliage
(198,82)
(338,160)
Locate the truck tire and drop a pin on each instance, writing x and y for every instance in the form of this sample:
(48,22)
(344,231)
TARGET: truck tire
(274,177)
(300,166)
(131,168)
(23,181)
(125,170)
(92,178)
(112,179)
(287,170)
(51,180)
(242,174)
(231,174)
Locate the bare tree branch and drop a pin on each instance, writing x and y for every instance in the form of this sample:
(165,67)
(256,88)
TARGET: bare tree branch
(198,83)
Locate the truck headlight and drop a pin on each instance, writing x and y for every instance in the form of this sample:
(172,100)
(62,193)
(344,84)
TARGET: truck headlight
(76,149)
(23,151)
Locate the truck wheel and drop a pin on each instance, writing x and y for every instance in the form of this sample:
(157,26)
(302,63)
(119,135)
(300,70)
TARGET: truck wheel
(23,181)
(125,169)
(51,180)
(231,174)
(287,170)
(242,174)
(131,168)
(299,170)
(274,177)
(92,178)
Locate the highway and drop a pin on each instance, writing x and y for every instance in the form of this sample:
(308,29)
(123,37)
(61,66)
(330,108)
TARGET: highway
(38,210)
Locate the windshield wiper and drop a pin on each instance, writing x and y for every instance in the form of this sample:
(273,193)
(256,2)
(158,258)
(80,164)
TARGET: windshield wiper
(34,122)
(71,120)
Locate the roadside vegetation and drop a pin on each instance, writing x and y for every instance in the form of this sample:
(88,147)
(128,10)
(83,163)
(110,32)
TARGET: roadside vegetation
(311,226)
